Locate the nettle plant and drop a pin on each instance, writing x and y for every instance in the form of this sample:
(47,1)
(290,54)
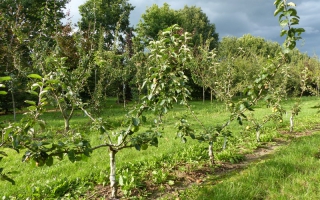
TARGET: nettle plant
(166,86)
(262,88)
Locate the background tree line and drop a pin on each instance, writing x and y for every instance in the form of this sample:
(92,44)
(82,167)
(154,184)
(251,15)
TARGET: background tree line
(108,55)
(47,62)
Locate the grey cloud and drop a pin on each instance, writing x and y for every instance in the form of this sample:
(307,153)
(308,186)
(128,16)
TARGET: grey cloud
(239,17)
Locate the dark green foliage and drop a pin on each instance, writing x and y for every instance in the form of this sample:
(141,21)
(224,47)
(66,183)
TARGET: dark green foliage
(191,19)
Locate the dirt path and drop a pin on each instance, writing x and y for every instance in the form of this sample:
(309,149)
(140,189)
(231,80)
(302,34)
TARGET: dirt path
(197,174)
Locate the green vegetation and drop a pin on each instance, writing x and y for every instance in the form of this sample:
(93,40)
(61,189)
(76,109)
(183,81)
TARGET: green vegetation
(292,173)
(144,165)
(70,153)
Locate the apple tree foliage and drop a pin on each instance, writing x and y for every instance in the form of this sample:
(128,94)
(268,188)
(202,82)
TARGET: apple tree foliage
(261,88)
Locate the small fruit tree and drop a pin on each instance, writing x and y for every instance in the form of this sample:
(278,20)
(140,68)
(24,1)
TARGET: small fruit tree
(166,86)
(261,88)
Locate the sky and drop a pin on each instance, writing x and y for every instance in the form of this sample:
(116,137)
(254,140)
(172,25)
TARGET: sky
(239,17)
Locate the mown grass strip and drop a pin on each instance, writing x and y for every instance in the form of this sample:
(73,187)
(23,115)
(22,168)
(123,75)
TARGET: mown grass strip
(293,172)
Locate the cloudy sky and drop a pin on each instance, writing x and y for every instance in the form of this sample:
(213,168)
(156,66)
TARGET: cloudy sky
(239,17)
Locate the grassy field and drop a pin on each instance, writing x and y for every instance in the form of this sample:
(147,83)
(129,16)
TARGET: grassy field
(293,172)
(153,167)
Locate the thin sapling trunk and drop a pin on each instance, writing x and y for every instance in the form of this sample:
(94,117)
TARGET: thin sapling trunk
(203,94)
(291,122)
(225,140)
(112,177)
(258,135)
(210,150)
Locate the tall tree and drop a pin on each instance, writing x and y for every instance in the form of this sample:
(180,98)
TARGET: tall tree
(105,23)
(195,21)
(191,19)
(22,24)
(108,16)
(156,19)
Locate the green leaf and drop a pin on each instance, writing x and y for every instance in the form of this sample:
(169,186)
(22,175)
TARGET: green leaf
(33,92)
(283,32)
(3,92)
(35,76)
(135,121)
(276,2)
(144,146)
(30,102)
(293,12)
(171,182)
(154,142)
(294,21)
(42,124)
(284,23)
(144,119)
(71,156)
(32,108)
(6,178)
(3,153)
(5,78)
(278,10)
(60,156)
(137,147)
(49,161)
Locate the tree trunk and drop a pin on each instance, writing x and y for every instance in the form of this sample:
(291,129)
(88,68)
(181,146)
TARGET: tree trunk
(67,117)
(124,94)
(291,123)
(225,140)
(211,96)
(258,135)
(112,177)
(211,156)
(203,94)
(13,103)
(66,124)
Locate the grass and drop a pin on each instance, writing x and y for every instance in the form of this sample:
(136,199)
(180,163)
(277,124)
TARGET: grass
(74,179)
(292,173)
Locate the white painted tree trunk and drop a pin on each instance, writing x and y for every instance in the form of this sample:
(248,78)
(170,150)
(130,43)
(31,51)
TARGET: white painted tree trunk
(112,177)
(225,140)
(258,135)
(211,156)
(291,123)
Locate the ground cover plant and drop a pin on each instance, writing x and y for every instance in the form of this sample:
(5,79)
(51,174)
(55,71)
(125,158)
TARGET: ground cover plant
(291,173)
(78,177)
(104,63)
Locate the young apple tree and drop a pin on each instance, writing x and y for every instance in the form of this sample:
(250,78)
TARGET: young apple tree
(258,89)
(166,86)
